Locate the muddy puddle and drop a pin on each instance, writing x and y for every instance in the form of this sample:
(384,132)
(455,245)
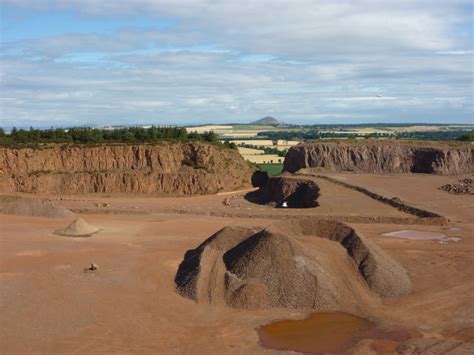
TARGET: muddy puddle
(323,333)
(422,235)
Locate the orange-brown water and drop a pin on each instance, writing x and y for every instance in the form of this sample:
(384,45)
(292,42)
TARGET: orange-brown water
(320,333)
(331,333)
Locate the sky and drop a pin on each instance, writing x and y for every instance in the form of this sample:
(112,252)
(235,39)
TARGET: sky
(98,62)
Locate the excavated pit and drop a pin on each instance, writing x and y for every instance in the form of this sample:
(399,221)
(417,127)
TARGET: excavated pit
(288,192)
(298,263)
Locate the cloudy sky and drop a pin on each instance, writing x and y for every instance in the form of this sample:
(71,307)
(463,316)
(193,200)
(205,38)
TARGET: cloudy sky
(76,62)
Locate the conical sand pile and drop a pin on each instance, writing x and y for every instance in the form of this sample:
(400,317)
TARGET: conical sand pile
(78,228)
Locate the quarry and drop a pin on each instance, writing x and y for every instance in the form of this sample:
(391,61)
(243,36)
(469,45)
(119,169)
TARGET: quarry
(252,177)
(372,240)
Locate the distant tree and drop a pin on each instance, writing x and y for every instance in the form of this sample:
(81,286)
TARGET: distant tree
(468,137)
(154,133)
(128,136)
(209,136)
(21,136)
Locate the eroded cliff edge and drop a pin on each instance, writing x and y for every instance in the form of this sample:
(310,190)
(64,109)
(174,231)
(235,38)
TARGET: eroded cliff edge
(161,168)
(383,157)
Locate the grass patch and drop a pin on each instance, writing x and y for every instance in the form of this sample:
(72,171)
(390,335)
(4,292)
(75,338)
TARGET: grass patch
(271,169)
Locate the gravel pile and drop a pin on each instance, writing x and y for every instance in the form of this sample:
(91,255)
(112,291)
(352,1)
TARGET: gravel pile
(34,208)
(78,228)
(299,263)
(463,187)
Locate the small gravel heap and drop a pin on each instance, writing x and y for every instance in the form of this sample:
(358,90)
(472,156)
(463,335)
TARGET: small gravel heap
(78,228)
(462,187)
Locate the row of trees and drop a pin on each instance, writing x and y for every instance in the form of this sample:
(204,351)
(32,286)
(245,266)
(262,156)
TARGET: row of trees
(309,134)
(313,134)
(266,149)
(468,137)
(94,135)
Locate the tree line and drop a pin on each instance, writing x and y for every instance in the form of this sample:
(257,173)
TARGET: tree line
(313,134)
(84,135)
(266,149)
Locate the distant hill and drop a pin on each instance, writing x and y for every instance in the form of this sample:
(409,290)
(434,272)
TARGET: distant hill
(267,121)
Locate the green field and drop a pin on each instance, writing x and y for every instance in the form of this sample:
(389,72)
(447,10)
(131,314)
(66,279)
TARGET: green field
(271,169)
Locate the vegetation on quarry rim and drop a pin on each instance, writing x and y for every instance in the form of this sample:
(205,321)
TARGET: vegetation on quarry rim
(95,136)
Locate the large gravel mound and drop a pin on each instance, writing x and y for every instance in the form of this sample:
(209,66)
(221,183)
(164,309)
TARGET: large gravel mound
(323,265)
(34,208)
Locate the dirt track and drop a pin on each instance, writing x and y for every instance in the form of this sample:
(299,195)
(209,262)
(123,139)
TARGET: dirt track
(49,305)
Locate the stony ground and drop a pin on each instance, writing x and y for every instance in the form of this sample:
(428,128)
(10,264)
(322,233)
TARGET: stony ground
(129,305)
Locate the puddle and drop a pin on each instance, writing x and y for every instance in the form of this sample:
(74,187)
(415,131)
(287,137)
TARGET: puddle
(420,235)
(449,239)
(323,333)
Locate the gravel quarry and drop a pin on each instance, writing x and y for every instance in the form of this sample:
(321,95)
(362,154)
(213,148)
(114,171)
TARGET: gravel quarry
(167,273)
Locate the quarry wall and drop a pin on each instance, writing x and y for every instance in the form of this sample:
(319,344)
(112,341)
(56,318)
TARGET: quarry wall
(382,157)
(165,167)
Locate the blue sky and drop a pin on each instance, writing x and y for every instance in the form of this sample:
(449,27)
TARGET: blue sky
(77,62)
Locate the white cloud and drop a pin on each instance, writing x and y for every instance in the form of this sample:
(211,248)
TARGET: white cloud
(200,101)
(458,52)
(238,60)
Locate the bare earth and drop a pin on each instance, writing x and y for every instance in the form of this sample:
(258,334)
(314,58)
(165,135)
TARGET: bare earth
(129,305)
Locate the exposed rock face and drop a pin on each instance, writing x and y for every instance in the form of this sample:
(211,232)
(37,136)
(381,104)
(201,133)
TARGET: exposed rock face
(382,157)
(179,168)
(305,263)
(297,193)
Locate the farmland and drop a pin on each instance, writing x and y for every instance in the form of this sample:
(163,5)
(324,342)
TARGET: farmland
(253,139)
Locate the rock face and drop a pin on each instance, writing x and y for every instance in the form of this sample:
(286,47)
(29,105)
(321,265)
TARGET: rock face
(304,263)
(178,168)
(297,193)
(382,157)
